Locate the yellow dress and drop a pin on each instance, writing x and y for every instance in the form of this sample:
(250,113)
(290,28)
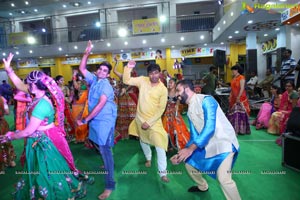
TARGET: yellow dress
(151,105)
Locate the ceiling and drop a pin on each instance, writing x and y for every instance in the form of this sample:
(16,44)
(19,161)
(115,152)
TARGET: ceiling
(264,23)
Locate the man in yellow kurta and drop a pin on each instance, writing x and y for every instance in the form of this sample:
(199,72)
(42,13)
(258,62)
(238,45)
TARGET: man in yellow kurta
(147,123)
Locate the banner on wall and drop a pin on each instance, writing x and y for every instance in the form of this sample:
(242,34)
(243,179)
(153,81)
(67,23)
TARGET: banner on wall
(46,62)
(194,52)
(17,38)
(143,26)
(27,63)
(141,55)
(77,60)
(270,45)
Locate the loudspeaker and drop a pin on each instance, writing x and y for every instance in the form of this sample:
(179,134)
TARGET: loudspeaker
(290,145)
(219,58)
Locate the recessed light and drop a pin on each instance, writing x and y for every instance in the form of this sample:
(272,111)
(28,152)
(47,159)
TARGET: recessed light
(219,28)
(59,49)
(26,2)
(229,36)
(122,50)
(250,22)
(182,38)
(30,51)
(202,37)
(265,35)
(173,46)
(205,44)
(35,10)
(41,57)
(150,48)
(4,54)
(231,14)
(144,41)
(75,47)
(108,44)
(126,43)
(277,29)
(67,55)
(17,53)
(222,43)
(236,32)
(12,5)
(23,12)
(10,14)
(224,22)
(64,6)
(162,39)
(89,2)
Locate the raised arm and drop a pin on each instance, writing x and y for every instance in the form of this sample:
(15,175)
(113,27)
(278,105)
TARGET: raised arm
(82,66)
(115,69)
(11,74)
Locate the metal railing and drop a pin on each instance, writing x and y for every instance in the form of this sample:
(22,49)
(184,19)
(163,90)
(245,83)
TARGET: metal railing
(190,23)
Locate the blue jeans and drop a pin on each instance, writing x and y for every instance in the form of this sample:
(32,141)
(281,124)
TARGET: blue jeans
(108,161)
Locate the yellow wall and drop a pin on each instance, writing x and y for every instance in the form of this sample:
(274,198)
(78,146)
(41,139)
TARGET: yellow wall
(235,51)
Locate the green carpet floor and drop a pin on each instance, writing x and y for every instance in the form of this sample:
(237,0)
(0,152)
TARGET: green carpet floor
(258,154)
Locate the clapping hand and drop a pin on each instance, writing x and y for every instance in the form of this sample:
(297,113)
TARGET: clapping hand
(131,64)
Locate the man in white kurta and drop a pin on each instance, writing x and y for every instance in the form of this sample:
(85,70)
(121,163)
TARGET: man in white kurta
(147,123)
(213,146)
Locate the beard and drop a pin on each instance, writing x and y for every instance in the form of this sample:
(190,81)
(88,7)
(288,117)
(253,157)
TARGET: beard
(183,98)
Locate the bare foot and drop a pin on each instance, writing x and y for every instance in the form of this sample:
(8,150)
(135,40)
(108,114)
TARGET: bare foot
(105,194)
(148,163)
(165,179)
(12,164)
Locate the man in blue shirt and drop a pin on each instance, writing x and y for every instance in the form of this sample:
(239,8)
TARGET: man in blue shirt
(102,116)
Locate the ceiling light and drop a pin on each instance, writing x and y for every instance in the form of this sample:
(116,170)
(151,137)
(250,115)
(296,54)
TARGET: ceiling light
(222,43)
(75,47)
(67,55)
(236,32)
(205,44)
(41,57)
(297,24)
(89,2)
(231,14)
(144,41)
(23,12)
(265,35)
(4,54)
(43,30)
(277,29)
(173,46)
(64,6)
(30,51)
(122,50)
(162,39)
(162,18)
(35,10)
(98,24)
(12,5)
(202,37)
(17,53)
(219,28)
(59,49)
(250,22)
(126,43)
(10,14)
(75,4)
(224,22)
(122,32)
(26,2)
(182,38)
(229,36)
(150,48)
(108,44)
(31,40)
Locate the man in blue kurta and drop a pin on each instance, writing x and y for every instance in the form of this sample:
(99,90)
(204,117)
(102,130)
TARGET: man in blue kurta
(213,146)
(102,116)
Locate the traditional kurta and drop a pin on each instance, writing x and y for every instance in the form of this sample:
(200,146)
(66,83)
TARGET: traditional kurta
(151,105)
(212,133)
